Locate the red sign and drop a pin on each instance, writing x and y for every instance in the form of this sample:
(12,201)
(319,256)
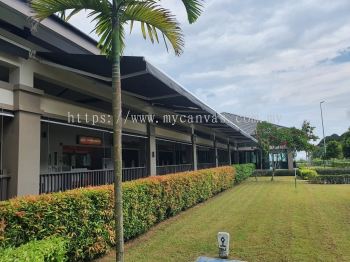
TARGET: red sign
(87,140)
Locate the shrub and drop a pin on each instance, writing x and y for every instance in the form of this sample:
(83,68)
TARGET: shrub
(332,171)
(337,163)
(329,179)
(278,172)
(85,216)
(306,173)
(243,171)
(51,249)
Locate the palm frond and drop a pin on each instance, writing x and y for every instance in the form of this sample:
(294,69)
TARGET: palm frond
(154,17)
(193,8)
(46,8)
(103,29)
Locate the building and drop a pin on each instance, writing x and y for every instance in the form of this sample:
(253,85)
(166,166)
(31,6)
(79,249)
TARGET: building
(55,113)
(248,152)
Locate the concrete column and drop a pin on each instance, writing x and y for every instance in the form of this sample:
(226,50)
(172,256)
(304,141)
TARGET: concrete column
(22,135)
(229,153)
(152,151)
(290,160)
(22,156)
(216,152)
(22,75)
(194,151)
(236,154)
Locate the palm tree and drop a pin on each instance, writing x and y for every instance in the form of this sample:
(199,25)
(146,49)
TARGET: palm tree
(111,18)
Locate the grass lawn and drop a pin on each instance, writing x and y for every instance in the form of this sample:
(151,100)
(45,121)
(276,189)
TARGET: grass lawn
(268,221)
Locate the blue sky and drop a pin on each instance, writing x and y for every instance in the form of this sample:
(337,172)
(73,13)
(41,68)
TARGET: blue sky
(273,59)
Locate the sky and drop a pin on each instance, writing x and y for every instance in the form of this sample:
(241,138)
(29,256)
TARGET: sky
(272,60)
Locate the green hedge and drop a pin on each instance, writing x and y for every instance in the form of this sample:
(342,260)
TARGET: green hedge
(51,249)
(338,163)
(306,173)
(335,179)
(243,171)
(85,216)
(278,172)
(332,171)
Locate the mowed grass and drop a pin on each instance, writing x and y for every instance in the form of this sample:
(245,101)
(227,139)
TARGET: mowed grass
(268,221)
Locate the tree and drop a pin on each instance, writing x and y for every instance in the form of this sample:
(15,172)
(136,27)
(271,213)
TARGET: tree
(309,132)
(269,139)
(111,17)
(274,138)
(318,152)
(334,150)
(346,143)
(346,148)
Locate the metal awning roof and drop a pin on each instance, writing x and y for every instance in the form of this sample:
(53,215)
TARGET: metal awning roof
(12,49)
(145,81)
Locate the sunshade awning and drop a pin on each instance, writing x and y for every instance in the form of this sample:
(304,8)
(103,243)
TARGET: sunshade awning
(147,82)
(12,49)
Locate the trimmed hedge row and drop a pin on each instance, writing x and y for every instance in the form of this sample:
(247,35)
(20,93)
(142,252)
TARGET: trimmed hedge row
(332,163)
(278,172)
(85,216)
(332,171)
(331,179)
(243,171)
(52,249)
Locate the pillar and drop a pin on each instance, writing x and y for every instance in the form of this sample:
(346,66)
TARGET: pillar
(216,152)
(236,155)
(22,135)
(152,151)
(229,153)
(194,150)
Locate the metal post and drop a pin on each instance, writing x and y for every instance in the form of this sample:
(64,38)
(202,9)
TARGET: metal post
(324,139)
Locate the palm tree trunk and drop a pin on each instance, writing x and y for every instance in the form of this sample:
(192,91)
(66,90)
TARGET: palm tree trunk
(117,139)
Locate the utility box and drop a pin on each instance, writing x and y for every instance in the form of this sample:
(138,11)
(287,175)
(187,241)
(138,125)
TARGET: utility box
(224,244)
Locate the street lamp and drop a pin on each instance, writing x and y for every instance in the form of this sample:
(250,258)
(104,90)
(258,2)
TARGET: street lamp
(324,139)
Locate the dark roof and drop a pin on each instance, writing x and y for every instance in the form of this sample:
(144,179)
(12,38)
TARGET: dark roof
(11,49)
(70,27)
(245,123)
(147,82)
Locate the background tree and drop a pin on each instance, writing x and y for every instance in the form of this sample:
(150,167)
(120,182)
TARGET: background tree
(346,148)
(334,150)
(311,136)
(346,143)
(297,140)
(272,139)
(111,18)
(318,152)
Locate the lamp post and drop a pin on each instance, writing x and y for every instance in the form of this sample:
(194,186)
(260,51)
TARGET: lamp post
(324,139)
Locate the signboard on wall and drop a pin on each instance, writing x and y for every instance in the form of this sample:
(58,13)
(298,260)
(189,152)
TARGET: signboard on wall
(89,140)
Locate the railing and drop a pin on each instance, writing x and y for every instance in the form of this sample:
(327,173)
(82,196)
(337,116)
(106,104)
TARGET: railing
(163,170)
(205,165)
(4,183)
(62,181)
(223,164)
(133,173)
